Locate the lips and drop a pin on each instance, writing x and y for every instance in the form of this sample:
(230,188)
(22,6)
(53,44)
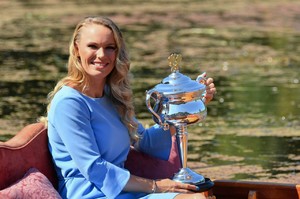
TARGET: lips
(98,64)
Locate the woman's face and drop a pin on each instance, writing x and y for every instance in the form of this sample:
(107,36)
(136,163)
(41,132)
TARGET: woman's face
(97,50)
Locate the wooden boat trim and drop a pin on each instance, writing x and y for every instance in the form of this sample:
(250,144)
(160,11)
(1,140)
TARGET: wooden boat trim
(232,189)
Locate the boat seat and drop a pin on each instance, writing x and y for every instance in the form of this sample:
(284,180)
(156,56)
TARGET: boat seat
(29,149)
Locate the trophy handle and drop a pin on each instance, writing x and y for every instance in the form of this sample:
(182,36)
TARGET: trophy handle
(202,79)
(157,101)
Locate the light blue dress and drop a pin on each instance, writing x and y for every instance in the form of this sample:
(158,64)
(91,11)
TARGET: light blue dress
(89,145)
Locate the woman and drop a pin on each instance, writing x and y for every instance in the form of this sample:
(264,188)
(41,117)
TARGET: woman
(91,122)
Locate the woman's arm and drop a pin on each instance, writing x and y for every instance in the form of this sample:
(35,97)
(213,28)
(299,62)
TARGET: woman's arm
(154,141)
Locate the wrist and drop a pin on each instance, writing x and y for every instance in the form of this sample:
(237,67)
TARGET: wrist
(154,186)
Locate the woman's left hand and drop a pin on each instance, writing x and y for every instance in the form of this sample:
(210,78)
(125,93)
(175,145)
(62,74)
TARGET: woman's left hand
(210,90)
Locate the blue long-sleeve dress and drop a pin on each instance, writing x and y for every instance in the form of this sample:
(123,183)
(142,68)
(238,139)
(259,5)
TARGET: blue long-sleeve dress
(89,145)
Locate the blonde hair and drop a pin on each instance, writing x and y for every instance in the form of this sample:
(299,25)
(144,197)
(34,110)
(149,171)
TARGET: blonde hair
(118,80)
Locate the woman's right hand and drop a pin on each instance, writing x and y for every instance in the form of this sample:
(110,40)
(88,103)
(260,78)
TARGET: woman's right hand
(139,184)
(187,191)
(167,185)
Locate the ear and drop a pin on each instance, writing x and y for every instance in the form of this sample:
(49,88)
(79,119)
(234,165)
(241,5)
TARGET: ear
(76,51)
(76,45)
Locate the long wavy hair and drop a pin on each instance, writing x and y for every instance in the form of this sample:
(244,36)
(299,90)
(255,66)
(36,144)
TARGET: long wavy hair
(118,80)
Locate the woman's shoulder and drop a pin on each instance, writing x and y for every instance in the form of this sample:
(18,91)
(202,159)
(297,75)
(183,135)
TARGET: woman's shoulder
(67,95)
(67,92)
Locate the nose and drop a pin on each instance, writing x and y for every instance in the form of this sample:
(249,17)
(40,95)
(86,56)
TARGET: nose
(100,52)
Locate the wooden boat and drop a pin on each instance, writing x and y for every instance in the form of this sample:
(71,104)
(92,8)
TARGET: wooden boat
(230,189)
(29,149)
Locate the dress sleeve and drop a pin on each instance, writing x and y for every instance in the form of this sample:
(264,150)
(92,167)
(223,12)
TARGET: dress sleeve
(72,122)
(155,141)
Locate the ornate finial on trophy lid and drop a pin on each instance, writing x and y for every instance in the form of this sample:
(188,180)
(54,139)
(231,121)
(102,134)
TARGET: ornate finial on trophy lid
(174,61)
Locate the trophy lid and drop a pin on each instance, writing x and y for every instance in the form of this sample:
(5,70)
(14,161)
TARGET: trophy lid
(176,82)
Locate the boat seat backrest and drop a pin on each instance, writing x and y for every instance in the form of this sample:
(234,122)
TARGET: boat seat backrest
(29,149)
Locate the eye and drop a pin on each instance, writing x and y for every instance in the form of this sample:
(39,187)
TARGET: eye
(110,49)
(92,46)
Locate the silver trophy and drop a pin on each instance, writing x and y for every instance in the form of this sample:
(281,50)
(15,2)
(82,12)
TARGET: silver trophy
(179,101)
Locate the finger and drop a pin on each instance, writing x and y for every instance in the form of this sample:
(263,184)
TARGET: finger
(180,190)
(211,90)
(186,187)
(191,187)
(210,86)
(209,81)
(209,96)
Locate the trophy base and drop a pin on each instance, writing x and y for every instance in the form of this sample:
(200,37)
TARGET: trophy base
(207,185)
(186,175)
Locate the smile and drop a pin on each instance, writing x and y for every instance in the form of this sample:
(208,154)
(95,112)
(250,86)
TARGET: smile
(100,64)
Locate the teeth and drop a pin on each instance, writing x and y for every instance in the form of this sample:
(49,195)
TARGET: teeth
(97,64)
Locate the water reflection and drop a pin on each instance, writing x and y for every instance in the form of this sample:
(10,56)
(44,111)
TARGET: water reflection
(271,153)
(253,101)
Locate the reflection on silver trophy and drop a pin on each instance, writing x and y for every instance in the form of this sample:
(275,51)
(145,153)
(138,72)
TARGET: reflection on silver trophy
(179,101)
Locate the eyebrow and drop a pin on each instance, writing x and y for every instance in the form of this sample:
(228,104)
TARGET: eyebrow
(108,44)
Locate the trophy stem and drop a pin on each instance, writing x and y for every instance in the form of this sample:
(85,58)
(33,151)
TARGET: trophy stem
(182,142)
(185,175)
